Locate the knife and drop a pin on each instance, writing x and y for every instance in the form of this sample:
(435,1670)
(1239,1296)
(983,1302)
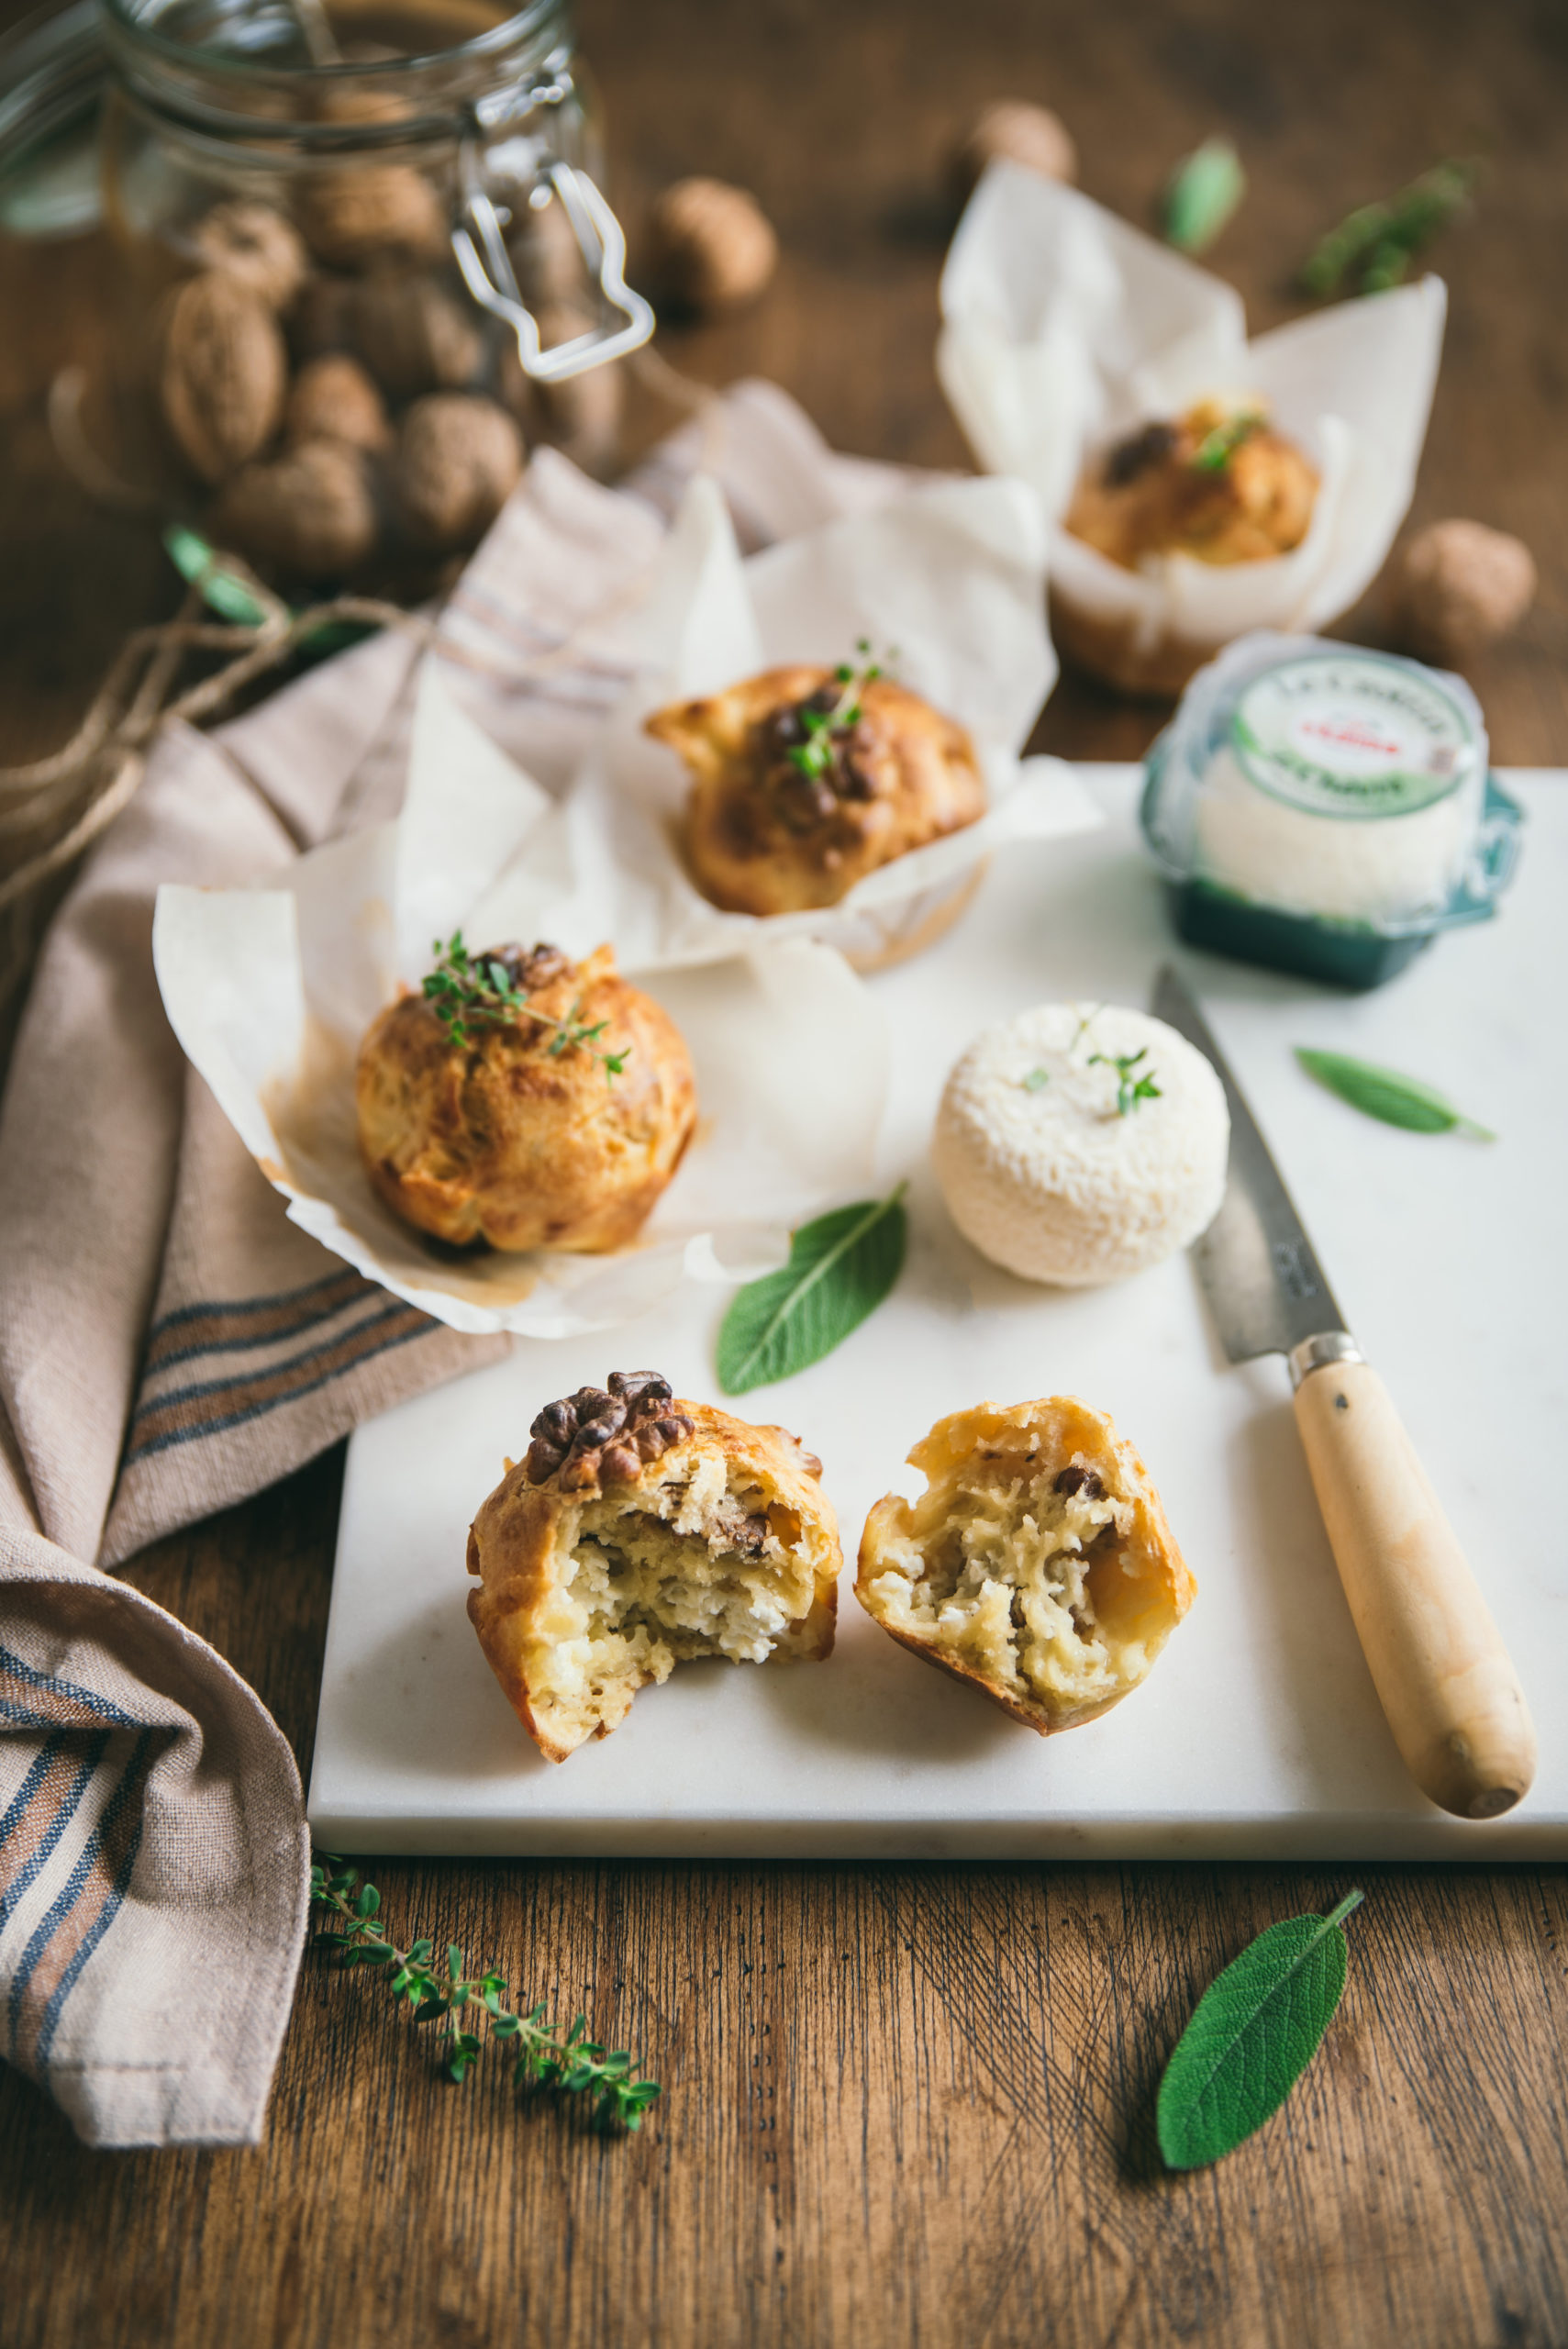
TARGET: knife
(1442,1674)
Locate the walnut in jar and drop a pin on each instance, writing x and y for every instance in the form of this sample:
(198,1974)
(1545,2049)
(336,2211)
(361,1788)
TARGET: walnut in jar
(311,513)
(223,373)
(332,398)
(367,214)
(253,244)
(414,337)
(459,458)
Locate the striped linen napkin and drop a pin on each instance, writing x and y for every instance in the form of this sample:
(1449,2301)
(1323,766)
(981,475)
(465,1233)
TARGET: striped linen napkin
(169,1343)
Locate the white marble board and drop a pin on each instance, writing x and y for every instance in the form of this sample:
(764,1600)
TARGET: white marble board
(1258,1734)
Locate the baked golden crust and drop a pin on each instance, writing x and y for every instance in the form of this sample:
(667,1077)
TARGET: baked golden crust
(604,1574)
(762,838)
(1037,1564)
(1217,483)
(505,1141)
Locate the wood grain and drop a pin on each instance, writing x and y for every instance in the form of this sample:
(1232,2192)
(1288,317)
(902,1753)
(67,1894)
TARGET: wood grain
(904,2105)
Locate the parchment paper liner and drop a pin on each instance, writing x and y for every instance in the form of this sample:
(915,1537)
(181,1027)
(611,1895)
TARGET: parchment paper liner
(952,576)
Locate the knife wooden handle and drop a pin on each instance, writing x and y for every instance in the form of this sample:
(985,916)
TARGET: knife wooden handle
(1452,1694)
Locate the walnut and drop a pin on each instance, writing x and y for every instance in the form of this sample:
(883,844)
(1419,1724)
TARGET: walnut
(457,459)
(224,373)
(255,246)
(593,1438)
(320,317)
(414,337)
(334,400)
(1458,585)
(582,414)
(364,213)
(310,512)
(711,245)
(546,255)
(1014,131)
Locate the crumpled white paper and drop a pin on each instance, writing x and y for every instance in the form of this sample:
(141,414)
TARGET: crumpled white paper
(271,990)
(1063,328)
(952,576)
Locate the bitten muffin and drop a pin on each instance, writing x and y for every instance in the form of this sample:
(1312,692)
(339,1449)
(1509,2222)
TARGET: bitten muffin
(1037,1566)
(805,779)
(553,1115)
(1079,1145)
(1218,484)
(641,1532)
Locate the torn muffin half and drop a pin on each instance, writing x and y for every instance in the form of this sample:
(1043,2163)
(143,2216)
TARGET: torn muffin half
(1038,1563)
(641,1532)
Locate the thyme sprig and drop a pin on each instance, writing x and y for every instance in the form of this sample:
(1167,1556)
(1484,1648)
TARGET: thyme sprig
(814,757)
(1376,244)
(1133,1085)
(1215,451)
(568,2064)
(466,987)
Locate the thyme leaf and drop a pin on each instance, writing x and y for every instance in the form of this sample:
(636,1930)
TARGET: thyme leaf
(814,757)
(470,990)
(1215,451)
(1133,1085)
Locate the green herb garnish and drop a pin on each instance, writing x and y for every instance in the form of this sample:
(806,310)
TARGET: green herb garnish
(568,2063)
(839,1269)
(1375,244)
(1203,193)
(1384,1093)
(466,987)
(1132,1085)
(814,757)
(1036,1081)
(1215,451)
(1252,2034)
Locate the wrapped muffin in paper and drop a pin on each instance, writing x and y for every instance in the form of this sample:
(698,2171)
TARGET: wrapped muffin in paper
(1326,809)
(1197,485)
(689,832)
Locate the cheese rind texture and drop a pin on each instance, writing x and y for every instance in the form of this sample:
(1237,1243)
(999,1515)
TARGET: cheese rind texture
(1047,1176)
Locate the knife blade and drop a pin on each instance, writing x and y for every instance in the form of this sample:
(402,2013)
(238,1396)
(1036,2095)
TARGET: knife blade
(1265,1288)
(1442,1674)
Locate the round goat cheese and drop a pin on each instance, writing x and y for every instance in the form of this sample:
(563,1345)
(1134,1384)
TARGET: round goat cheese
(1078,1143)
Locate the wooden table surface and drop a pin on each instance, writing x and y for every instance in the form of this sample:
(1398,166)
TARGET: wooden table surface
(905,2104)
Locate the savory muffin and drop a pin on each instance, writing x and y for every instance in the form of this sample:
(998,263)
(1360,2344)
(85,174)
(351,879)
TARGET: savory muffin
(640,1532)
(805,779)
(1218,484)
(524,1100)
(1037,1565)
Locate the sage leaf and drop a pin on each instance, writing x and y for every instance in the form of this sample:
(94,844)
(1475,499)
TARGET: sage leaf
(839,1269)
(1252,2034)
(1203,193)
(1384,1093)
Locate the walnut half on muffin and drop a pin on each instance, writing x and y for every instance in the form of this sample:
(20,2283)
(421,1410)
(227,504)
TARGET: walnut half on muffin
(1218,484)
(805,779)
(640,1532)
(524,1100)
(1038,1563)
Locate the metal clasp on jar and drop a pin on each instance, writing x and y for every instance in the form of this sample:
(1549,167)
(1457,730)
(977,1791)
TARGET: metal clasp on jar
(486,265)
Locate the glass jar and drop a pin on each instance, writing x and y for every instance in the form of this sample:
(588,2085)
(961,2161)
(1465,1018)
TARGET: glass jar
(365,262)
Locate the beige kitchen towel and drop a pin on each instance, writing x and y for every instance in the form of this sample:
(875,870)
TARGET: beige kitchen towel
(171,1343)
